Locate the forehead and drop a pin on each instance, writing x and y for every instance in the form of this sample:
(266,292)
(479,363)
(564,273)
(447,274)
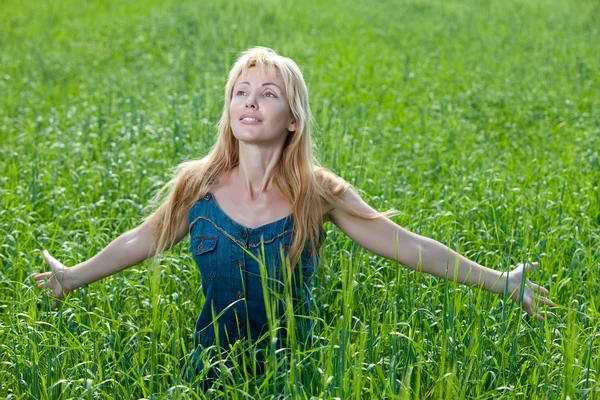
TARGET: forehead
(260,75)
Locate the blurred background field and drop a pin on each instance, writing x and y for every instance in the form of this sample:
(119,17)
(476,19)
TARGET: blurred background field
(478,120)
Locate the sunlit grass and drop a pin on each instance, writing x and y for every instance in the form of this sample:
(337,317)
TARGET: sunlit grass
(479,121)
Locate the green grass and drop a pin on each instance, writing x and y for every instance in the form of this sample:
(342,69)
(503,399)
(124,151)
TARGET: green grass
(478,120)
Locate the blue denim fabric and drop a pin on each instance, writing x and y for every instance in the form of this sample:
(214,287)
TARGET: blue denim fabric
(234,309)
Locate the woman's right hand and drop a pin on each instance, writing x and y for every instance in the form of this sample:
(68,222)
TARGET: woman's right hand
(57,280)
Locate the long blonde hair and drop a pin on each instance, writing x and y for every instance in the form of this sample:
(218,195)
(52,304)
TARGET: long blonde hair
(302,182)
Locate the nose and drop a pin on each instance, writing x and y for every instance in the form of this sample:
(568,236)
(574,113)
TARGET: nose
(251,102)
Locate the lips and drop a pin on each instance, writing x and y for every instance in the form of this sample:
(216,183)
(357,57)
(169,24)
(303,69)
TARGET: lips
(250,119)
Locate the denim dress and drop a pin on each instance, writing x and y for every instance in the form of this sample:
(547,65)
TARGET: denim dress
(233,284)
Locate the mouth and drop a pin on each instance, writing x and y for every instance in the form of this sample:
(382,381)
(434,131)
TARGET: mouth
(249,119)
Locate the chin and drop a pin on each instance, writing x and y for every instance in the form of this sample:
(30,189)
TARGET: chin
(244,133)
(248,137)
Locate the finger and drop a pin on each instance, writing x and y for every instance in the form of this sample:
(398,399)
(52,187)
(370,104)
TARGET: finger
(529,305)
(52,262)
(541,317)
(42,276)
(532,266)
(544,300)
(49,259)
(539,289)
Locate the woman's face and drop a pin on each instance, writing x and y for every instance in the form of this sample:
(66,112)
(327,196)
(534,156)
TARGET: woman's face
(259,109)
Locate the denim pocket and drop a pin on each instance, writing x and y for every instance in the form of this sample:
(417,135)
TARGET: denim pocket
(203,251)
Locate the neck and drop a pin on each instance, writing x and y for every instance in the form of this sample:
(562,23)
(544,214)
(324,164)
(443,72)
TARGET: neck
(256,168)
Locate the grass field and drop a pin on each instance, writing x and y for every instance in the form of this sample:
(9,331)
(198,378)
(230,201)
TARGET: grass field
(478,120)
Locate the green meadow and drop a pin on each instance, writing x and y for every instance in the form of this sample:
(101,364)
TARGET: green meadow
(479,121)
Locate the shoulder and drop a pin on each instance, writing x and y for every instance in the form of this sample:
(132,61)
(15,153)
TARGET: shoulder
(337,194)
(350,204)
(329,180)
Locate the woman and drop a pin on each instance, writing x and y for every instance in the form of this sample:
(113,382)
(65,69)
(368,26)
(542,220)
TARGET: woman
(255,207)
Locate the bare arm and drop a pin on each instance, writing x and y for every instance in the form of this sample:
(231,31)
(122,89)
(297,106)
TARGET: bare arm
(129,249)
(385,238)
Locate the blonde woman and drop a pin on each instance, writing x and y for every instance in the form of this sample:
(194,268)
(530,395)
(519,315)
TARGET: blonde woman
(260,196)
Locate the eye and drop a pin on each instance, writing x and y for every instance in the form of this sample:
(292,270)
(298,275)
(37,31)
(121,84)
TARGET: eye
(240,93)
(270,94)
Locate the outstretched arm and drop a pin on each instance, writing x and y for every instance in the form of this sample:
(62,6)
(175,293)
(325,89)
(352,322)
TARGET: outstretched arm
(387,239)
(127,250)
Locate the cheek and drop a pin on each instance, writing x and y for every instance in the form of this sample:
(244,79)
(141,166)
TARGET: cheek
(235,103)
(281,111)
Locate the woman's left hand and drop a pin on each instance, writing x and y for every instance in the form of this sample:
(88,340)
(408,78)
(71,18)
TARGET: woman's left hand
(529,302)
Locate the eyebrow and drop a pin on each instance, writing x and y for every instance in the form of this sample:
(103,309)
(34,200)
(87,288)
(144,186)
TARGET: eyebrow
(264,84)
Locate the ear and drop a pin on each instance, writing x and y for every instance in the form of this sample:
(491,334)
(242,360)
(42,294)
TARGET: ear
(292,126)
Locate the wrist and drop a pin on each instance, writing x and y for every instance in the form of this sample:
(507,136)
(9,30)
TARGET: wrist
(497,281)
(73,279)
